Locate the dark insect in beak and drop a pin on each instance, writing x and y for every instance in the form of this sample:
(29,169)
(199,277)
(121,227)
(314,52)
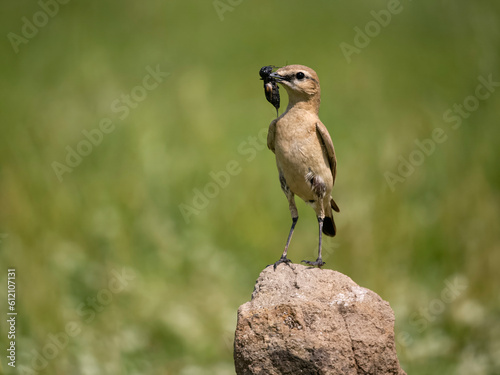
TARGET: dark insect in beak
(271,88)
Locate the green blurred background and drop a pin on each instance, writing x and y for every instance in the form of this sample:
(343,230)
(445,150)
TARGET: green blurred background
(120,207)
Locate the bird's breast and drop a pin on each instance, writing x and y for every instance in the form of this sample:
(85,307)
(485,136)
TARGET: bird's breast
(296,143)
(299,154)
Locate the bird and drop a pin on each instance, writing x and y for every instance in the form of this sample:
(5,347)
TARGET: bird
(305,156)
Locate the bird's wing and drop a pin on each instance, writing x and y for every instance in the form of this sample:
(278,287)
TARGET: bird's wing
(270,135)
(326,140)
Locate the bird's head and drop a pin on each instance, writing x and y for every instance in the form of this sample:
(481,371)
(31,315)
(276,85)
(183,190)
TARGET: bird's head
(300,82)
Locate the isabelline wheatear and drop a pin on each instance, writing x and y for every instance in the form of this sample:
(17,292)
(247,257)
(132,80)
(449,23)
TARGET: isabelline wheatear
(304,151)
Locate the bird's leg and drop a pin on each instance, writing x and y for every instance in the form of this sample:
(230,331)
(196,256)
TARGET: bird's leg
(321,217)
(295,218)
(319,262)
(294,221)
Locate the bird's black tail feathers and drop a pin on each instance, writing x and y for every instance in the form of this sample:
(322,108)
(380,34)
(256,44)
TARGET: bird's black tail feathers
(329,228)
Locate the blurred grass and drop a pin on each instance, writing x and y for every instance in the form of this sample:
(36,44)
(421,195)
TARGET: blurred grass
(120,206)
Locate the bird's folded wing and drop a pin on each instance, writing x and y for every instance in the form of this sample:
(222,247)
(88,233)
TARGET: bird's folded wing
(270,135)
(324,136)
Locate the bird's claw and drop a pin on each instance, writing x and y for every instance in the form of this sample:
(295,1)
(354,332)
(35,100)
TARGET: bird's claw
(282,260)
(318,263)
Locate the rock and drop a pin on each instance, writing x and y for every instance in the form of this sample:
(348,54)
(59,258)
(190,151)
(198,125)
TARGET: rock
(304,320)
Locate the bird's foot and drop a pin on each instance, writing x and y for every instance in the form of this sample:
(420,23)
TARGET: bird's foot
(319,263)
(282,260)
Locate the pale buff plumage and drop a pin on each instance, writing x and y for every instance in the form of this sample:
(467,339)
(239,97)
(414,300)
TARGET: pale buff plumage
(304,151)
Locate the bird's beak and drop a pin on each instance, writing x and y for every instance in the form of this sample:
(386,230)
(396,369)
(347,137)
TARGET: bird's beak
(277,77)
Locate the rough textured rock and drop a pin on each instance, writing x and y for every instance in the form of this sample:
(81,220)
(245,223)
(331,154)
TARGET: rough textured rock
(304,320)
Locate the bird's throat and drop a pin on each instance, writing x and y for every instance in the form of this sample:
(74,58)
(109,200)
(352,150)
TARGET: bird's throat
(310,104)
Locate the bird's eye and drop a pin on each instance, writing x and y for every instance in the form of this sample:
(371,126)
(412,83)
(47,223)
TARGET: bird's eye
(300,75)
